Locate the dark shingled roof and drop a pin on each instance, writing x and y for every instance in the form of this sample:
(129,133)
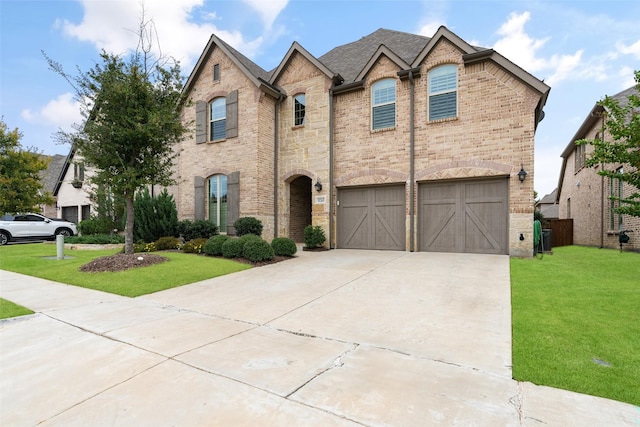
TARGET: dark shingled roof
(50,175)
(253,68)
(349,59)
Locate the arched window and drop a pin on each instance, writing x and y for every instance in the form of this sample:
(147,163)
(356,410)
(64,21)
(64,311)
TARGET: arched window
(218,119)
(443,92)
(383,104)
(218,201)
(299,107)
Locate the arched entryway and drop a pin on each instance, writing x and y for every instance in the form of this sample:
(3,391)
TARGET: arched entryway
(299,207)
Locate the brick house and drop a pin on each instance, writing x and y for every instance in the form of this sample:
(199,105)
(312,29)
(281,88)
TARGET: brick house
(395,141)
(72,190)
(583,195)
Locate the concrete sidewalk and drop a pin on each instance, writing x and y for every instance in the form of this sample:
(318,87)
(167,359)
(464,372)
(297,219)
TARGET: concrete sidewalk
(332,338)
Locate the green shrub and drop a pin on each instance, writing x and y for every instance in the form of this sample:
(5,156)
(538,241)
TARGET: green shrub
(248,225)
(154,217)
(144,247)
(167,243)
(232,248)
(313,236)
(283,246)
(194,246)
(96,239)
(198,229)
(257,250)
(93,225)
(213,246)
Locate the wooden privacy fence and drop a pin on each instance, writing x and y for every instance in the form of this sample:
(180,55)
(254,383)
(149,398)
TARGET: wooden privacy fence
(561,232)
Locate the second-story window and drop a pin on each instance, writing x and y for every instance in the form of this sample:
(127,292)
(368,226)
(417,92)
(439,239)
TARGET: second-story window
(443,92)
(383,104)
(299,106)
(216,72)
(217,119)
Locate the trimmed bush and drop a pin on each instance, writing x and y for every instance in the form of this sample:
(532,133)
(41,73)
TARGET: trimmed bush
(194,246)
(232,248)
(93,225)
(198,229)
(213,246)
(257,250)
(283,246)
(248,225)
(144,247)
(154,217)
(167,242)
(313,236)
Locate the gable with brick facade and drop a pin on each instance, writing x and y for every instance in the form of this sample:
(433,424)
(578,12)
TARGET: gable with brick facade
(395,141)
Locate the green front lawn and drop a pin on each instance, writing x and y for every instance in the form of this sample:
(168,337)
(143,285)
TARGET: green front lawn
(576,321)
(10,309)
(181,269)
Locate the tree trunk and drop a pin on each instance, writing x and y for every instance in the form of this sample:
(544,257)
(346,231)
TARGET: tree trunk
(128,228)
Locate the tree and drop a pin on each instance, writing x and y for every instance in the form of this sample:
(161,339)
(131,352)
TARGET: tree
(622,123)
(155,217)
(131,109)
(20,183)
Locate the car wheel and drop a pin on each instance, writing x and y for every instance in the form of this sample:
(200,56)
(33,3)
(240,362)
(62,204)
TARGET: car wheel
(63,232)
(4,238)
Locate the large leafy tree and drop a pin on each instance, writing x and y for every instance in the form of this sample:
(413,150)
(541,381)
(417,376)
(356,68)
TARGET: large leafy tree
(622,123)
(131,108)
(21,188)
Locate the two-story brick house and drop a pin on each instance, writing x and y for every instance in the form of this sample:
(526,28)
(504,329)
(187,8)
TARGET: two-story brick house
(395,141)
(584,196)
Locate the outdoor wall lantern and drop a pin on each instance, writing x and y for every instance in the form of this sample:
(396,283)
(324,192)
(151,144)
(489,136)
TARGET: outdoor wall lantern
(318,185)
(522,174)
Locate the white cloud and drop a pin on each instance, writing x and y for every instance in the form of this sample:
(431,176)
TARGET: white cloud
(62,112)
(627,77)
(632,49)
(112,26)
(429,29)
(268,9)
(523,49)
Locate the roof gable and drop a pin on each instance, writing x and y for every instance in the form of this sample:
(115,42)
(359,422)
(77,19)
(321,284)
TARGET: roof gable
(381,51)
(442,33)
(297,48)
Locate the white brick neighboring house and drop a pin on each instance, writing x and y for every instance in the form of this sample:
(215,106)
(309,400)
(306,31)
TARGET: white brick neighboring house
(72,190)
(395,141)
(583,195)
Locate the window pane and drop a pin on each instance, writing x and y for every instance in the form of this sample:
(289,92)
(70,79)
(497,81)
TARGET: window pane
(443,79)
(218,129)
(218,201)
(299,109)
(442,106)
(384,116)
(384,92)
(218,109)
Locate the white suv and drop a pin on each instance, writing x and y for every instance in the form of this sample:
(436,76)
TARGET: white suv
(33,226)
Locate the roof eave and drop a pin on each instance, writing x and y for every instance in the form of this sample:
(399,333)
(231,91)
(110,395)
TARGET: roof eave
(443,32)
(297,48)
(382,50)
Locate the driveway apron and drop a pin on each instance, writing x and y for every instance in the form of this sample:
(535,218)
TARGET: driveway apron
(335,338)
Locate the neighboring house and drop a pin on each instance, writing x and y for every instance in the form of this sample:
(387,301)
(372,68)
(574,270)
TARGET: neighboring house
(49,180)
(395,141)
(548,205)
(72,190)
(583,195)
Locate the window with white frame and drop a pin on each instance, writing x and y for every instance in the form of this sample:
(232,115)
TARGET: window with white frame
(217,119)
(299,107)
(443,92)
(218,201)
(383,104)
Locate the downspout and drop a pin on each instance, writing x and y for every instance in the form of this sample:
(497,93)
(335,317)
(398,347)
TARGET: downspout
(276,117)
(602,194)
(331,244)
(411,163)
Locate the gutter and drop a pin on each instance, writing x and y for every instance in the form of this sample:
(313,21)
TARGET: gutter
(412,185)
(276,118)
(331,210)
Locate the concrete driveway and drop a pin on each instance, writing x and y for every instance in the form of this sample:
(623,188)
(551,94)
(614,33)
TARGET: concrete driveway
(340,338)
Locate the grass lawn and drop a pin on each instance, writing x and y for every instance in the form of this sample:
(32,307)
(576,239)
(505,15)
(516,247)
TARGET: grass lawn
(181,269)
(9,309)
(576,321)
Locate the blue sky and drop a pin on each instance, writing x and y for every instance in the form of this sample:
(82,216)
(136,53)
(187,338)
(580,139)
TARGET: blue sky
(583,49)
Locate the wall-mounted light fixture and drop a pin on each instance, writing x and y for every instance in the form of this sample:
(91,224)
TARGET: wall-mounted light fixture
(318,185)
(522,174)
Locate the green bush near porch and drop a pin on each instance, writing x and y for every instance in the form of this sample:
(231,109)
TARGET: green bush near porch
(576,321)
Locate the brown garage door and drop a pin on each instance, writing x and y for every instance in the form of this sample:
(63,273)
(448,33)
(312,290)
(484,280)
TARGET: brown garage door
(464,216)
(371,218)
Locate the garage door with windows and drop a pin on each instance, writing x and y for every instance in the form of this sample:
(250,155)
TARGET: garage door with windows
(464,216)
(371,218)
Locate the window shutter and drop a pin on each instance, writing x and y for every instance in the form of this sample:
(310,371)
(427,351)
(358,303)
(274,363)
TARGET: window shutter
(201,122)
(232,114)
(199,197)
(233,201)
